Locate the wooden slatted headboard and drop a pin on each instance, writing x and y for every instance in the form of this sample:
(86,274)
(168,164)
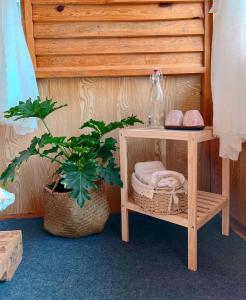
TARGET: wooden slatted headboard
(77,38)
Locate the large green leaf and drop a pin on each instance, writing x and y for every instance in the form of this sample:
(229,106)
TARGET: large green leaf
(110,173)
(102,128)
(91,140)
(47,139)
(80,180)
(9,172)
(107,148)
(34,149)
(37,108)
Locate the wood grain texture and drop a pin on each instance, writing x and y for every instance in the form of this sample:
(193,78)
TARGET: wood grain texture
(11,251)
(117,46)
(100,98)
(186,97)
(109,1)
(111,12)
(117,60)
(238,188)
(113,28)
(206,104)
(97,29)
(28,27)
(116,71)
(192,204)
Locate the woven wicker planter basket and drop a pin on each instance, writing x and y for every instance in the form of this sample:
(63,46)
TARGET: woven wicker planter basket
(63,216)
(164,201)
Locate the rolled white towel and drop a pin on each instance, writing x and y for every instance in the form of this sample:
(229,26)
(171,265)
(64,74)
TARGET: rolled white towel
(167,178)
(145,170)
(6,199)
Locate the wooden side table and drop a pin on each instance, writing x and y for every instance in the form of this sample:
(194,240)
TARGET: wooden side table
(202,206)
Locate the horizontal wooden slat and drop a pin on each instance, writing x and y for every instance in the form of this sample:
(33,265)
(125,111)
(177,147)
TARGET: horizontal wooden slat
(118,29)
(118,45)
(120,60)
(180,219)
(201,209)
(113,71)
(140,12)
(208,202)
(117,37)
(109,1)
(211,196)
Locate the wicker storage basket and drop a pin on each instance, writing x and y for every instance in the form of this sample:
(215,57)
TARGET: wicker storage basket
(63,216)
(162,200)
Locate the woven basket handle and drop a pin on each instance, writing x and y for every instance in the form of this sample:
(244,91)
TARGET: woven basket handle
(56,184)
(166,176)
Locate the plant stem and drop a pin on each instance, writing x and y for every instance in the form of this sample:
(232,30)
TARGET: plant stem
(60,147)
(51,158)
(46,126)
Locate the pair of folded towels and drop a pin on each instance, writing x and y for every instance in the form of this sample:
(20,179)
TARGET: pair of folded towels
(153,173)
(6,199)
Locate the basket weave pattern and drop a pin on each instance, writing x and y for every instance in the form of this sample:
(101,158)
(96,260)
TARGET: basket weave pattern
(164,201)
(63,216)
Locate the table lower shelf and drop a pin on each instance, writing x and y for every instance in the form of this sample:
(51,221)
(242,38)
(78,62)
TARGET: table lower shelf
(208,205)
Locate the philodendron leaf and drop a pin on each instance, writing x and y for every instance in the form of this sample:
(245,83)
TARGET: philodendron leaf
(50,143)
(9,172)
(80,180)
(48,139)
(37,108)
(110,173)
(107,148)
(102,128)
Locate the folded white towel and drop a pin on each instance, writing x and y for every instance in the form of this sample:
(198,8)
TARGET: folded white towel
(144,170)
(167,178)
(153,173)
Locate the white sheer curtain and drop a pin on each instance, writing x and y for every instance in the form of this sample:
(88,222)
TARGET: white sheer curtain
(17,77)
(229,75)
(6,199)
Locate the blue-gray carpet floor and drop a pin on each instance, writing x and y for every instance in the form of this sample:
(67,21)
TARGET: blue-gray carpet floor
(151,266)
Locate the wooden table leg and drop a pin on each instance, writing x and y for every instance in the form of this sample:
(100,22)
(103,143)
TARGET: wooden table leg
(192,205)
(124,189)
(226,192)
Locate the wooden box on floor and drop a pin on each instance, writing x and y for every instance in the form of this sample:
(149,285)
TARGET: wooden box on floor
(10,253)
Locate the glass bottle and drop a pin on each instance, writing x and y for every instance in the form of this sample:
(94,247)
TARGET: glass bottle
(156,101)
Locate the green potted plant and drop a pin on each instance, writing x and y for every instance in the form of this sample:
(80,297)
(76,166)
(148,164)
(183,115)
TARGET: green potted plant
(75,204)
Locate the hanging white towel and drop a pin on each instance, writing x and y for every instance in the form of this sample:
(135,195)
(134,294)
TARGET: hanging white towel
(229,75)
(17,76)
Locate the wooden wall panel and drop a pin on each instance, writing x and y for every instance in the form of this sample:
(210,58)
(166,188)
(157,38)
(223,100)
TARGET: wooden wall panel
(238,189)
(118,46)
(110,12)
(100,98)
(117,29)
(111,1)
(186,97)
(91,61)
(109,31)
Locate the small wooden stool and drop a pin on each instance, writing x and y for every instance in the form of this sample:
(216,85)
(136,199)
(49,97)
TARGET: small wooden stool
(10,253)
